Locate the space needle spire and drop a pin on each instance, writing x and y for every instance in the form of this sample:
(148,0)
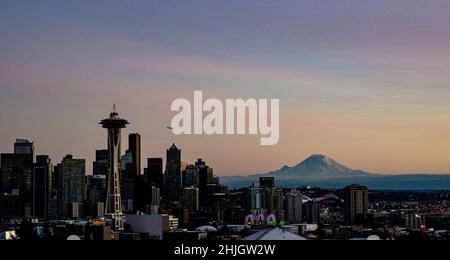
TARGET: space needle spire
(113,207)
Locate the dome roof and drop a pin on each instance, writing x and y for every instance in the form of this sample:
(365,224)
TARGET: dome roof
(206,229)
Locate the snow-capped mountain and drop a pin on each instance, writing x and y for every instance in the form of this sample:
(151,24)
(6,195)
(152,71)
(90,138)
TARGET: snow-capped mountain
(322,171)
(317,167)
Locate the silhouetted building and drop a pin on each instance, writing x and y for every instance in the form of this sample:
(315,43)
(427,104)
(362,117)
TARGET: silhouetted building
(294,201)
(97,188)
(70,174)
(15,180)
(191,199)
(154,172)
(267,182)
(142,194)
(154,177)
(205,178)
(43,203)
(173,174)
(127,181)
(22,146)
(356,202)
(134,146)
(275,202)
(190,176)
(100,166)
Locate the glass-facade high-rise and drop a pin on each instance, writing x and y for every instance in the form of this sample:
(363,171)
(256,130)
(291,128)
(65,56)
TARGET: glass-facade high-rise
(154,172)
(71,184)
(134,146)
(42,204)
(173,178)
(15,180)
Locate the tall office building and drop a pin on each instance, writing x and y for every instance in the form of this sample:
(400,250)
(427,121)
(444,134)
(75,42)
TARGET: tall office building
(294,201)
(173,153)
(191,199)
(267,182)
(42,205)
(100,166)
(275,202)
(132,192)
(190,176)
(15,180)
(173,174)
(142,194)
(70,174)
(23,146)
(113,206)
(97,188)
(128,180)
(134,146)
(258,200)
(205,178)
(154,172)
(356,202)
(16,174)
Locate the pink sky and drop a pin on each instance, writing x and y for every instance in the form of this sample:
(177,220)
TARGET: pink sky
(364,82)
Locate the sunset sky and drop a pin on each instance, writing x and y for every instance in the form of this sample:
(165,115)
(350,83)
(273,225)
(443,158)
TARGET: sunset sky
(364,82)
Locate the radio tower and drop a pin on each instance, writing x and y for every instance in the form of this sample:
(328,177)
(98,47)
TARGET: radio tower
(114,124)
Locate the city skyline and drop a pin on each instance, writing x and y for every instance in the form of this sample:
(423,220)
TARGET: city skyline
(363,85)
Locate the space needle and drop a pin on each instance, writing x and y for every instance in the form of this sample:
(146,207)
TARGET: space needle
(113,207)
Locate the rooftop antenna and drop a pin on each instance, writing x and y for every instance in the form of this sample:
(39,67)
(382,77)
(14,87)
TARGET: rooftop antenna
(114,107)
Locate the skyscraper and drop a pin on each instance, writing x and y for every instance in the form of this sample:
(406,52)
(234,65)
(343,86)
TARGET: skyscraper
(356,202)
(154,172)
(275,202)
(190,176)
(16,174)
(114,124)
(42,205)
(191,199)
(97,183)
(100,166)
(132,192)
(258,201)
(205,178)
(128,179)
(15,180)
(134,146)
(173,174)
(97,188)
(294,207)
(70,174)
(23,146)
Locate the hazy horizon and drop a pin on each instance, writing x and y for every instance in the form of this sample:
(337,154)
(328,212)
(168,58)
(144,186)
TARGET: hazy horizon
(365,83)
